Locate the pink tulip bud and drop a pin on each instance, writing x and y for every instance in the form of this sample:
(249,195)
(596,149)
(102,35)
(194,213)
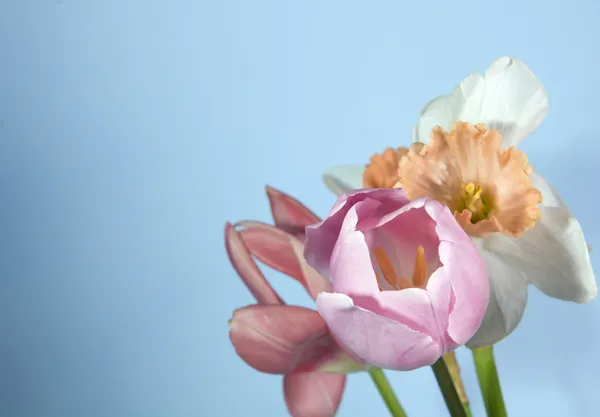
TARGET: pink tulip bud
(408,284)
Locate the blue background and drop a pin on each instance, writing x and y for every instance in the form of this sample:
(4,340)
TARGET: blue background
(132,130)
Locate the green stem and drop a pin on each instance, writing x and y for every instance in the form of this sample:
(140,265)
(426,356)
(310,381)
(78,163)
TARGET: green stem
(489,382)
(452,364)
(387,393)
(444,380)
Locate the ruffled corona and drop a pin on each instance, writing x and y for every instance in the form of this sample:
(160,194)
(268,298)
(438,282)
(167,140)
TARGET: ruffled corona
(488,188)
(382,169)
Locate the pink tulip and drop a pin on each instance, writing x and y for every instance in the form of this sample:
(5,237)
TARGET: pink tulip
(280,339)
(408,284)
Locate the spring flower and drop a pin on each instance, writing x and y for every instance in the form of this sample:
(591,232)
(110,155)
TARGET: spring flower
(281,339)
(408,284)
(464,155)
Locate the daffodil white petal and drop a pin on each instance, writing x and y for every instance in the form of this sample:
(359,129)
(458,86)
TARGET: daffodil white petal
(508,298)
(342,178)
(444,110)
(415,134)
(554,254)
(549,194)
(441,111)
(567,274)
(510,100)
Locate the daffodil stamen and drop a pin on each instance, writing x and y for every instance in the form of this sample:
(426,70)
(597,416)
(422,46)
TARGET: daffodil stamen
(474,201)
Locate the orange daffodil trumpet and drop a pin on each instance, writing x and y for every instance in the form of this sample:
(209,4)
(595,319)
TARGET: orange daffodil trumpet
(464,156)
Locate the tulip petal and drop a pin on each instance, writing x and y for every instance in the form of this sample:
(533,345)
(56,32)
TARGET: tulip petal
(442,298)
(342,178)
(462,280)
(376,339)
(463,267)
(508,298)
(412,307)
(394,204)
(351,260)
(282,339)
(289,214)
(282,252)
(322,237)
(246,268)
(313,394)
(314,282)
(269,245)
(399,231)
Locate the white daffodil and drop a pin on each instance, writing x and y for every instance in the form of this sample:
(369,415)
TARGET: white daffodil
(463,155)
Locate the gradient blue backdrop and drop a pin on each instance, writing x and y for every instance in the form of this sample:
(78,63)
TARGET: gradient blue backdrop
(132,130)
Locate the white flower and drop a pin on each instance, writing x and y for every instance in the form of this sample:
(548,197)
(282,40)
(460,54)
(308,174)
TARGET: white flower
(470,165)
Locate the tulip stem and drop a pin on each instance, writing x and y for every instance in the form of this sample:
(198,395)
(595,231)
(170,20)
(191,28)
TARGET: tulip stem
(452,363)
(487,374)
(386,392)
(449,391)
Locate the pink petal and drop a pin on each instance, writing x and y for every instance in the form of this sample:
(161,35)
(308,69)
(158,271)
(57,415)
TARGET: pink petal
(283,252)
(441,295)
(282,339)
(390,210)
(459,290)
(247,270)
(413,211)
(467,273)
(412,307)
(271,246)
(322,237)
(350,259)
(378,340)
(289,214)
(314,282)
(313,394)
(400,232)
(403,329)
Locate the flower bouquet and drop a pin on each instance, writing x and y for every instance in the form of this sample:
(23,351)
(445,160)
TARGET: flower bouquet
(427,248)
